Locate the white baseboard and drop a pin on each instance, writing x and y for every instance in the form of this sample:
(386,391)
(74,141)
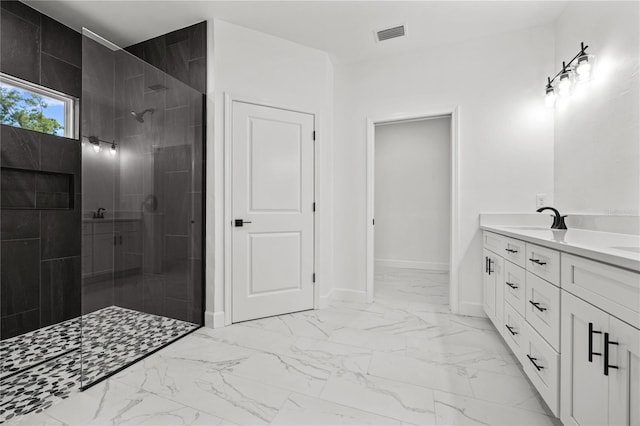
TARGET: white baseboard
(412,264)
(348,295)
(324,300)
(471,309)
(214,319)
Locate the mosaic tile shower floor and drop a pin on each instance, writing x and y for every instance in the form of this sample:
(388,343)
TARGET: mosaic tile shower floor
(111,338)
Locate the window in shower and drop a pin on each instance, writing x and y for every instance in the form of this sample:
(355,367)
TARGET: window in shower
(33,107)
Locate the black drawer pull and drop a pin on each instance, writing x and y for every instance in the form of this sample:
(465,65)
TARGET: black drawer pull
(538,261)
(591,333)
(513,333)
(608,342)
(489,265)
(510,250)
(533,361)
(537,306)
(513,286)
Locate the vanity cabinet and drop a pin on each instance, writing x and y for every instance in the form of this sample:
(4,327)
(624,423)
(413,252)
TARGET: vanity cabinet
(600,367)
(574,325)
(109,247)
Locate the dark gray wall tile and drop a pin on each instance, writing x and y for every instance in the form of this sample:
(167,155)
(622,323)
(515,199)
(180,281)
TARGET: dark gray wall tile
(60,290)
(178,60)
(96,294)
(129,292)
(61,41)
(18,189)
(20,148)
(59,233)
(177,308)
(61,76)
(20,224)
(19,47)
(23,322)
(153,52)
(20,274)
(22,10)
(198,74)
(60,154)
(198,40)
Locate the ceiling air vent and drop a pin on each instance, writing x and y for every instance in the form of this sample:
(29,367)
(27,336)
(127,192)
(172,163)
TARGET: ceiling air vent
(389,33)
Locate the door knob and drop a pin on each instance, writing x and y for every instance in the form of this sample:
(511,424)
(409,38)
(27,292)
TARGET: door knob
(240,222)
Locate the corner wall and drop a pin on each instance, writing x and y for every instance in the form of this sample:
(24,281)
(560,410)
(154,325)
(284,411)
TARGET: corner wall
(597,130)
(266,69)
(505,136)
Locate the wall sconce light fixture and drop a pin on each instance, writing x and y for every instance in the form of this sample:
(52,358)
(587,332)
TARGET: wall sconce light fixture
(578,70)
(95,143)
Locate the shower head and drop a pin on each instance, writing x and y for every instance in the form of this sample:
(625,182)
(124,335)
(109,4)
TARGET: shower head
(139,116)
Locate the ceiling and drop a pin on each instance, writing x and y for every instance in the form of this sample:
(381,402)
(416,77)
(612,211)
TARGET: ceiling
(344,29)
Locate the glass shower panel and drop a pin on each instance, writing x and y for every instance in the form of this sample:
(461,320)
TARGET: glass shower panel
(142,208)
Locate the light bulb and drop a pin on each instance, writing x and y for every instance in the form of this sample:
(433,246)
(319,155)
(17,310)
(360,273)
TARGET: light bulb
(112,150)
(550,98)
(584,68)
(565,84)
(96,147)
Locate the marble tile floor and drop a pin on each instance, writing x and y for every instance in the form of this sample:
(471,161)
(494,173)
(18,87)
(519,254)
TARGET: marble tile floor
(401,360)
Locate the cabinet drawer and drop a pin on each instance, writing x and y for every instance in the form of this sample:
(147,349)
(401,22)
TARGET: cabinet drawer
(493,242)
(514,251)
(543,309)
(612,289)
(543,262)
(512,332)
(514,287)
(545,373)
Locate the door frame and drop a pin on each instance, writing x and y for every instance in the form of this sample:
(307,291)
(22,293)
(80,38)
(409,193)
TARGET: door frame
(229,99)
(454,261)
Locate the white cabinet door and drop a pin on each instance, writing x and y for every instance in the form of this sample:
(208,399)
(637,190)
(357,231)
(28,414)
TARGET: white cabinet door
(584,388)
(493,297)
(624,381)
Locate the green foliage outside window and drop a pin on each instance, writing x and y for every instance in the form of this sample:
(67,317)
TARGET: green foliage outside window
(24,109)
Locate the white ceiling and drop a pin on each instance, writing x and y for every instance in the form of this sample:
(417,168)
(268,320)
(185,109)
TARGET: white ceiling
(344,29)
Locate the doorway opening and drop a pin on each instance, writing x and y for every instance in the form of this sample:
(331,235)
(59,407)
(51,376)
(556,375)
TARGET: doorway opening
(412,208)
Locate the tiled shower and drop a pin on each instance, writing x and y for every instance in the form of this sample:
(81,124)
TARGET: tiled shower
(102,249)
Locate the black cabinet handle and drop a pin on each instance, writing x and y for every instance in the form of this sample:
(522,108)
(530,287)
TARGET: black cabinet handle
(533,361)
(538,262)
(510,250)
(591,333)
(486,264)
(608,342)
(513,333)
(537,306)
(513,286)
(489,271)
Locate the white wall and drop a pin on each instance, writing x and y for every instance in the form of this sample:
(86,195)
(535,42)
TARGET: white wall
(506,137)
(253,65)
(597,131)
(413,193)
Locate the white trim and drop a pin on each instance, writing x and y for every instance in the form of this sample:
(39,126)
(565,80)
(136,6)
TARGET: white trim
(218,319)
(454,261)
(411,264)
(471,309)
(325,300)
(209,319)
(228,200)
(349,295)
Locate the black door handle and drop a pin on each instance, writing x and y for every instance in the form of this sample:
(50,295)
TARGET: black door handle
(533,361)
(537,306)
(240,222)
(538,262)
(608,342)
(513,333)
(591,333)
(513,286)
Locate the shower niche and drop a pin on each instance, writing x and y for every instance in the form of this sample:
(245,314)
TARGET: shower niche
(142,210)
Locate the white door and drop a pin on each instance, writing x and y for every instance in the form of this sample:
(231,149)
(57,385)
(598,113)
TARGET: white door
(584,387)
(272,209)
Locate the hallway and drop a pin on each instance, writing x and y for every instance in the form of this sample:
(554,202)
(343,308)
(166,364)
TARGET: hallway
(401,360)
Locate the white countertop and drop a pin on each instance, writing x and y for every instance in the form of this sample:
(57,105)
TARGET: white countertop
(621,250)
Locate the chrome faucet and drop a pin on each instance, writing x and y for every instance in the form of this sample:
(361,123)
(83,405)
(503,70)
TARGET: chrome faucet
(99,214)
(558,220)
